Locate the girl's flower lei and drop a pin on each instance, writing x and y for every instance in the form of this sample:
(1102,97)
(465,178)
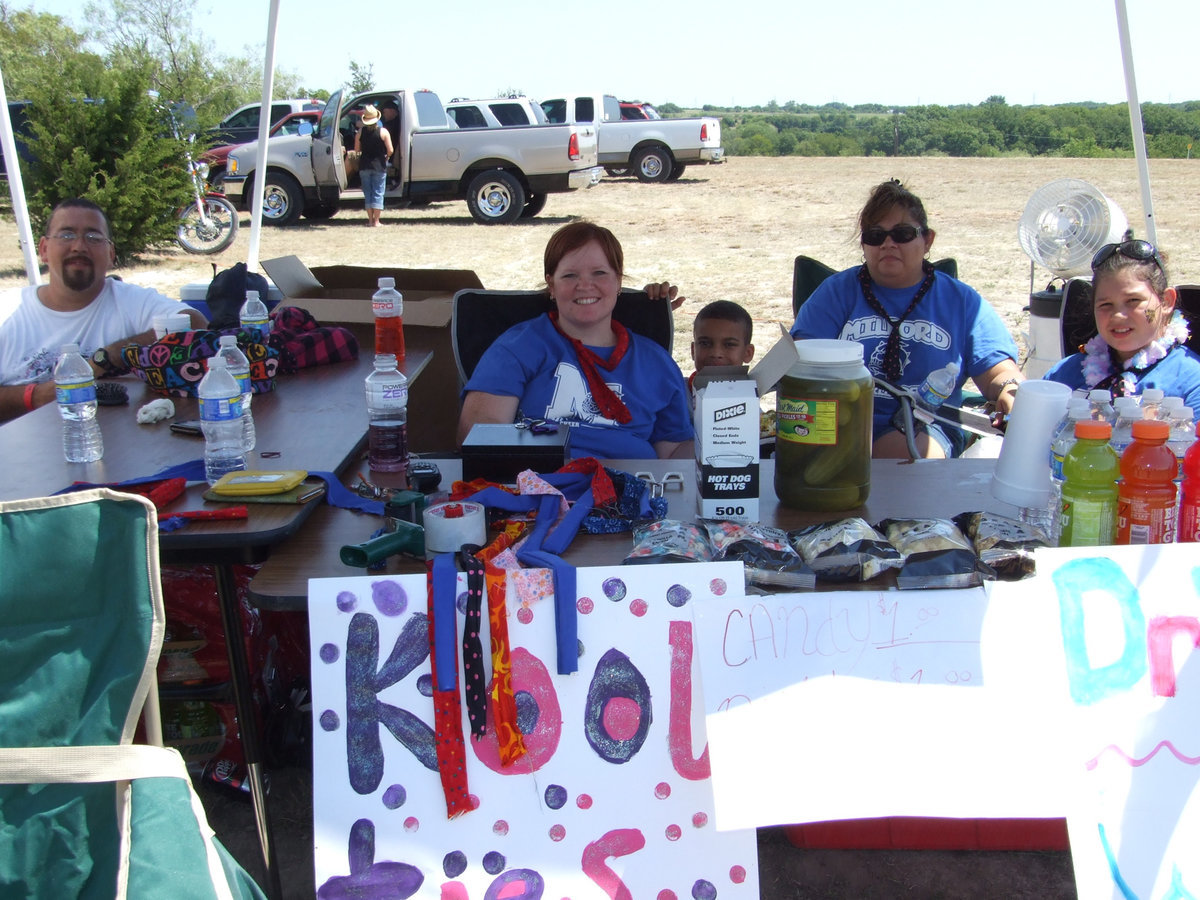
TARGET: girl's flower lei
(1098,360)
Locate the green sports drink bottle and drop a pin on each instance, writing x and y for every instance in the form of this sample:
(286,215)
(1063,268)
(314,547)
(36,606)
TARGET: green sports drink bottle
(1089,491)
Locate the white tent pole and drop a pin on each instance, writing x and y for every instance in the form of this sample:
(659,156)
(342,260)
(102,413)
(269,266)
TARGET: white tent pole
(16,188)
(264,126)
(1135,122)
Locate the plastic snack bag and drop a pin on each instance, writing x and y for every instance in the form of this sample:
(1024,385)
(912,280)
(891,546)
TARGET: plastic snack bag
(846,550)
(936,554)
(669,540)
(1005,544)
(764,551)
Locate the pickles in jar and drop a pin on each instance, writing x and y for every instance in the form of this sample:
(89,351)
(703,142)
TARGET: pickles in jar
(823,431)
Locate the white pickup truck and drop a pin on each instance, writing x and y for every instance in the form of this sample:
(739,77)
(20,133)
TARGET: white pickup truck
(654,149)
(503,174)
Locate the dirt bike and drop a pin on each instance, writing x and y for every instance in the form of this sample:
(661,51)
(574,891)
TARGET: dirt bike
(209,223)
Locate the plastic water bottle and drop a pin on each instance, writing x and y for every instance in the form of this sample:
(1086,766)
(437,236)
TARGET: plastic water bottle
(1078,410)
(1183,435)
(1169,408)
(1150,400)
(254,317)
(1127,412)
(938,386)
(75,390)
(1102,407)
(387,414)
(239,368)
(1189,501)
(1146,495)
(221,420)
(387,305)
(1089,491)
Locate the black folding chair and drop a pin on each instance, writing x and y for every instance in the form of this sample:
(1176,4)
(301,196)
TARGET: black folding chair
(808,273)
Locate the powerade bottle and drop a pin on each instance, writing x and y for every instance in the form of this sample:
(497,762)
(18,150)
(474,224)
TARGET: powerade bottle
(1189,503)
(387,414)
(1089,493)
(387,305)
(221,420)
(75,391)
(239,368)
(1146,495)
(938,386)
(1078,410)
(254,318)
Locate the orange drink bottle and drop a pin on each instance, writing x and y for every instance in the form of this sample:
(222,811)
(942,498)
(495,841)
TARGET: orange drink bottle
(387,305)
(1189,504)
(1146,495)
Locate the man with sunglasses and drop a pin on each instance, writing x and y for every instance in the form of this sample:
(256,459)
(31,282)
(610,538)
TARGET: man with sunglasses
(911,321)
(80,304)
(1141,339)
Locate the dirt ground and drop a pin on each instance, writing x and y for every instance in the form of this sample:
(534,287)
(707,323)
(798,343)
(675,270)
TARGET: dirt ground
(726,232)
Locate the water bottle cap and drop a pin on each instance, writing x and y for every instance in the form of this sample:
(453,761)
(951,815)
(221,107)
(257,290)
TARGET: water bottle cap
(217,362)
(1090,429)
(385,282)
(953,367)
(1100,395)
(1151,429)
(69,348)
(1152,395)
(228,340)
(251,295)
(385,361)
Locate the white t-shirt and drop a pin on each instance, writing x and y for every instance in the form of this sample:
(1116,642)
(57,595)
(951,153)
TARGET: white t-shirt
(32,336)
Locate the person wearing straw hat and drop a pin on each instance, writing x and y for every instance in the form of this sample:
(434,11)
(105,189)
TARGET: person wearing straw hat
(374,146)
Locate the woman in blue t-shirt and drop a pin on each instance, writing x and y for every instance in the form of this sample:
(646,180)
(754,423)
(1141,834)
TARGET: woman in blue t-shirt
(1141,335)
(911,321)
(622,394)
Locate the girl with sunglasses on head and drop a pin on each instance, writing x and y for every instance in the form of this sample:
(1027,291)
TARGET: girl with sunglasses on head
(1141,335)
(911,321)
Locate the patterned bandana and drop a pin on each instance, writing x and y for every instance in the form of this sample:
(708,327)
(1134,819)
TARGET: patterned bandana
(609,403)
(1102,370)
(892,369)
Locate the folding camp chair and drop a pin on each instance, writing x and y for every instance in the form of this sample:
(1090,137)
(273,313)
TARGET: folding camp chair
(85,812)
(482,316)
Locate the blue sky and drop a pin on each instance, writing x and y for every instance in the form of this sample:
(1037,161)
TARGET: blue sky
(725,51)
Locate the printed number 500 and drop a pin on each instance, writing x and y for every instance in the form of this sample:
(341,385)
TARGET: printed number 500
(730,510)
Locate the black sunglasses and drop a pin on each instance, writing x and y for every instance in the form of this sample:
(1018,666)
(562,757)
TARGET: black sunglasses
(1142,251)
(901,234)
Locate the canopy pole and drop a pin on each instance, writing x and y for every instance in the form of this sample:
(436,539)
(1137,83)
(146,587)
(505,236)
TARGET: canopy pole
(1135,122)
(16,188)
(264,127)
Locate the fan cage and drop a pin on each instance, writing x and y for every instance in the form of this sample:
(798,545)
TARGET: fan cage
(1065,222)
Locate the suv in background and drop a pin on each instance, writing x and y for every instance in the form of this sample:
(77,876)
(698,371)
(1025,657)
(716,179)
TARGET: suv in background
(497,113)
(241,125)
(635,109)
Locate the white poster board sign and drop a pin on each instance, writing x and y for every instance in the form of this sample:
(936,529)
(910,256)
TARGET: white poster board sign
(858,704)
(1130,623)
(613,798)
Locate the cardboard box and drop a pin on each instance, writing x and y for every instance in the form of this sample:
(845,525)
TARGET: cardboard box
(726,420)
(342,295)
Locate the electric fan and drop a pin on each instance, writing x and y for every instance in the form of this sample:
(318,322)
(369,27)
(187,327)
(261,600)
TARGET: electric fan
(1064,223)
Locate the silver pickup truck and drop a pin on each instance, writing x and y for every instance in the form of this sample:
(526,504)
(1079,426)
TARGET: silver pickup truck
(655,150)
(502,174)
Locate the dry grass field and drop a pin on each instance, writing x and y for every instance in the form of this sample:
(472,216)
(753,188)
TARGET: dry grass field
(726,232)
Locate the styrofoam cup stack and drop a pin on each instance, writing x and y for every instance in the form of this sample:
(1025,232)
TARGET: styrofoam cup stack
(1022,475)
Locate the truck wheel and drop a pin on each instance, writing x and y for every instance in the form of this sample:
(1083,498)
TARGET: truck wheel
(283,201)
(617,171)
(676,172)
(652,164)
(495,197)
(321,210)
(533,205)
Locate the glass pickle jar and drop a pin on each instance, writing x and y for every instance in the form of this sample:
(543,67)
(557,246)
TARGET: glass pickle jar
(823,428)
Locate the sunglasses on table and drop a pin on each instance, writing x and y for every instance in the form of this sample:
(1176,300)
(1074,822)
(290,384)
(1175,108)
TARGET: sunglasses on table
(1142,251)
(900,234)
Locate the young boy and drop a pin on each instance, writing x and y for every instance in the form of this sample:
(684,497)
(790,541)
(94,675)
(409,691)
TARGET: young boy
(721,336)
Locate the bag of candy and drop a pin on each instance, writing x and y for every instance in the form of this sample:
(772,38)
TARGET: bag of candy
(936,554)
(764,551)
(846,550)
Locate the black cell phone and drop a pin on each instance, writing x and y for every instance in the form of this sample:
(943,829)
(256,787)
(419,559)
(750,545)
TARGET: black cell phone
(191,428)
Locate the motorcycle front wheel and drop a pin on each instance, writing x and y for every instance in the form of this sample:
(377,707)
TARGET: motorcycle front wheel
(210,233)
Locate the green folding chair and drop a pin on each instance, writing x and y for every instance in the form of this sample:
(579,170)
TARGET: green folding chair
(84,811)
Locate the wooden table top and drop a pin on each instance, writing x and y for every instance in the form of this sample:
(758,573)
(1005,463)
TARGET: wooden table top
(314,420)
(898,488)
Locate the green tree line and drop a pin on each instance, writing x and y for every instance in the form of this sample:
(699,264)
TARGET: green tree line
(104,104)
(992,128)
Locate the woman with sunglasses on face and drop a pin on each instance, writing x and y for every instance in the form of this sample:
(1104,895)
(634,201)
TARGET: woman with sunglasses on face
(1140,339)
(911,321)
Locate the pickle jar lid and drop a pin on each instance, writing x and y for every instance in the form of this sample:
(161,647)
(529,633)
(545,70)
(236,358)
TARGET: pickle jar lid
(829,352)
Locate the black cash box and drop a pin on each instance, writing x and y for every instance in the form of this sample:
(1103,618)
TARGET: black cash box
(500,452)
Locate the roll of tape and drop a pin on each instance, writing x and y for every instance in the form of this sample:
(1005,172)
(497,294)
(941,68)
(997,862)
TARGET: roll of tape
(450,525)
